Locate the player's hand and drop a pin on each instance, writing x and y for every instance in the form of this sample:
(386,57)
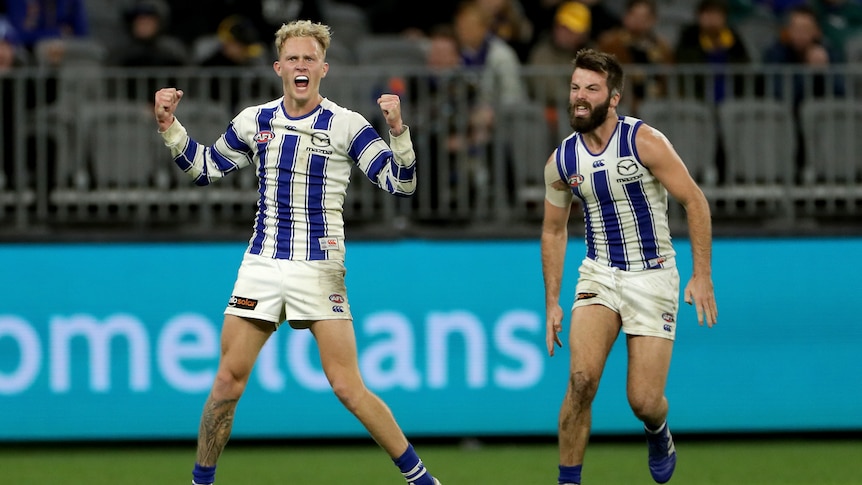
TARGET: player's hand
(390,106)
(553,327)
(699,291)
(166,102)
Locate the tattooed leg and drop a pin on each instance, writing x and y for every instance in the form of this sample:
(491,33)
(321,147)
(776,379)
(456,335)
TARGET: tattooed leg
(216,424)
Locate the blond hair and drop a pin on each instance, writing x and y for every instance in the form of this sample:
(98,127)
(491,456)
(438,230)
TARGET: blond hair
(303,28)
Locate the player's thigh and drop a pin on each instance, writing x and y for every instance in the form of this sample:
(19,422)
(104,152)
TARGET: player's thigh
(258,290)
(648,364)
(314,291)
(336,343)
(593,332)
(241,341)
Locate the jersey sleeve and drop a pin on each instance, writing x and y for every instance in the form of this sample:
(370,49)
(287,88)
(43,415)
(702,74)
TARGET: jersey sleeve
(556,190)
(206,164)
(391,166)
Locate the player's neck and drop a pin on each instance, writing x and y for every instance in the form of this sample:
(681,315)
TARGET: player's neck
(596,140)
(297,108)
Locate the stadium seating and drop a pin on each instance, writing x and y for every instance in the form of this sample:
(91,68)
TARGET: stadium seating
(832,174)
(759,140)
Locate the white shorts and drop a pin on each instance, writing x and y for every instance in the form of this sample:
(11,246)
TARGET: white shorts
(647,301)
(299,292)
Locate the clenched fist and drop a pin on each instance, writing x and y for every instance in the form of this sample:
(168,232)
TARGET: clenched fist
(166,102)
(390,105)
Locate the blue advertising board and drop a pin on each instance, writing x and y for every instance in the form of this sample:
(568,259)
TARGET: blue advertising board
(121,341)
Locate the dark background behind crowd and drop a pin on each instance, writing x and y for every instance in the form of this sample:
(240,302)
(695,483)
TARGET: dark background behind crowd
(170,33)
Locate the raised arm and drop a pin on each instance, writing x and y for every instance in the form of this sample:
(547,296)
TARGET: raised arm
(391,166)
(657,154)
(203,164)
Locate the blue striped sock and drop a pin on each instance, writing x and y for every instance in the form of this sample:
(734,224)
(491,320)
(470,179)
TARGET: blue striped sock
(570,474)
(412,468)
(203,475)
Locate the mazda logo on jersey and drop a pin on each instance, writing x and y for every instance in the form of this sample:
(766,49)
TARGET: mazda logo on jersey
(627,167)
(575,180)
(320,139)
(263,136)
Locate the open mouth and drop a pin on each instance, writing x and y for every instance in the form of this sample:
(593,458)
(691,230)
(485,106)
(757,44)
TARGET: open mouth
(582,110)
(301,81)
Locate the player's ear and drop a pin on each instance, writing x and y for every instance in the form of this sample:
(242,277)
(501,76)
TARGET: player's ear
(325,68)
(615,99)
(276,66)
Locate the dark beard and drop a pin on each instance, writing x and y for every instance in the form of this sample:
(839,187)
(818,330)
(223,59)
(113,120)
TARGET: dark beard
(597,116)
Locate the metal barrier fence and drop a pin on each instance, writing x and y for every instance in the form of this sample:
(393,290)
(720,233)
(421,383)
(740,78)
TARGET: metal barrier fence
(775,148)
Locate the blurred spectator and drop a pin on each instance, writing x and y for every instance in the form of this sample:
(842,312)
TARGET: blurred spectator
(8,62)
(738,10)
(603,18)
(496,61)
(557,48)
(802,44)
(442,96)
(541,13)
(636,42)
(510,23)
(839,20)
(444,54)
(36,20)
(710,40)
(147,43)
(17,94)
(495,72)
(388,16)
(10,57)
(202,17)
(239,46)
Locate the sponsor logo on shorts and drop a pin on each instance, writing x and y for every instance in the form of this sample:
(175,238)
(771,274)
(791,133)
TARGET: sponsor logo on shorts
(667,316)
(667,327)
(242,302)
(336,298)
(586,296)
(338,309)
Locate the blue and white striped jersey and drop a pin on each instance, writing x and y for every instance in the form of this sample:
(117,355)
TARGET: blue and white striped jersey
(625,206)
(303,167)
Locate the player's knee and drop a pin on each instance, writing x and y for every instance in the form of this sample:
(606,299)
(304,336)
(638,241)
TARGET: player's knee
(583,386)
(349,392)
(228,384)
(646,406)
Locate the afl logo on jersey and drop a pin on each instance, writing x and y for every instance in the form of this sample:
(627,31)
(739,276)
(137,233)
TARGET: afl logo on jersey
(575,180)
(263,136)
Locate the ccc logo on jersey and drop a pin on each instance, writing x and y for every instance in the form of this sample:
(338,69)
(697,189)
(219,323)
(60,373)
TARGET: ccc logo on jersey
(263,136)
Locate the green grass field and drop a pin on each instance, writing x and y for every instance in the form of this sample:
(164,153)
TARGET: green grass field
(701,462)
